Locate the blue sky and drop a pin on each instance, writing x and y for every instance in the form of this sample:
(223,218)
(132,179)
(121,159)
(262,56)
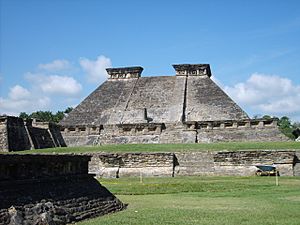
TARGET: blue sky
(53,53)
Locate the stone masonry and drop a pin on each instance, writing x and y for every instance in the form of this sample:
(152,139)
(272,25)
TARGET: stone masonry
(186,108)
(222,163)
(17,135)
(132,164)
(51,189)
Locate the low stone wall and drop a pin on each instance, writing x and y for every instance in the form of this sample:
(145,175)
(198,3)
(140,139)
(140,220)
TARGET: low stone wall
(222,163)
(243,162)
(194,163)
(51,189)
(132,164)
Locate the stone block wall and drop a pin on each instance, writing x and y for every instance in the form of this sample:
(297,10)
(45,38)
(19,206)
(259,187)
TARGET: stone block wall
(236,163)
(17,135)
(177,133)
(243,162)
(112,134)
(14,136)
(53,189)
(40,137)
(3,134)
(194,163)
(35,166)
(56,135)
(132,164)
(190,132)
(244,131)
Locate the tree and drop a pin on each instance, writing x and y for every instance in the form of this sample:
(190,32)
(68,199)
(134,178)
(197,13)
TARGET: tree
(24,115)
(58,116)
(46,116)
(285,126)
(68,110)
(267,117)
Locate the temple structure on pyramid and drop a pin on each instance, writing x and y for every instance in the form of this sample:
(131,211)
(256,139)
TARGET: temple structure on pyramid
(185,108)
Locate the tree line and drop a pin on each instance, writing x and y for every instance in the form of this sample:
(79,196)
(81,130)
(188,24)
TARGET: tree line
(46,116)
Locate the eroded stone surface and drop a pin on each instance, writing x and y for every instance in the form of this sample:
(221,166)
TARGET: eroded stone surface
(17,134)
(236,163)
(51,189)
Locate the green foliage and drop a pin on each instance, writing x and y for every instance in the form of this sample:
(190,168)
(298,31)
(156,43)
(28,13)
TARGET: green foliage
(267,117)
(24,115)
(204,200)
(68,110)
(59,116)
(286,127)
(46,116)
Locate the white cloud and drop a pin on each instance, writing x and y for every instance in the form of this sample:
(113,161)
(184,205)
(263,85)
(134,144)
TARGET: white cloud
(40,96)
(49,89)
(268,94)
(96,69)
(61,85)
(18,93)
(20,99)
(55,84)
(56,65)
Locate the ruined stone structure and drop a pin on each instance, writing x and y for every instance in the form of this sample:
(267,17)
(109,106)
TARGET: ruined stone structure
(186,108)
(51,189)
(223,163)
(17,135)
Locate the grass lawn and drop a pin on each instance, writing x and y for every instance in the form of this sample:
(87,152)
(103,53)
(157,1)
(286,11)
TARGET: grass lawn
(231,146)
(205,200)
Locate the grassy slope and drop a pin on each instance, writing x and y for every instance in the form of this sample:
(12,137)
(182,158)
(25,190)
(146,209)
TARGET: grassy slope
(205,200)
(232,146)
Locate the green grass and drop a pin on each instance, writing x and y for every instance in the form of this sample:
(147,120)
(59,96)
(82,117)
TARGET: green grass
(205,200)
(231,146)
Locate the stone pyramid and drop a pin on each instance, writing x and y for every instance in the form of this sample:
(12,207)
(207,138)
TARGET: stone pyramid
(126,98)
(186,108)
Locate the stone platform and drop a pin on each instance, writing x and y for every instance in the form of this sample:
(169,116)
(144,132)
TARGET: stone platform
(211,163)
(17,134)
(51,189)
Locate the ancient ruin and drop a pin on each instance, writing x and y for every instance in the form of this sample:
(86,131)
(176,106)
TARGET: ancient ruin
(17,134)
(127,108)
(51,189)
(186,108)
(202,163)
